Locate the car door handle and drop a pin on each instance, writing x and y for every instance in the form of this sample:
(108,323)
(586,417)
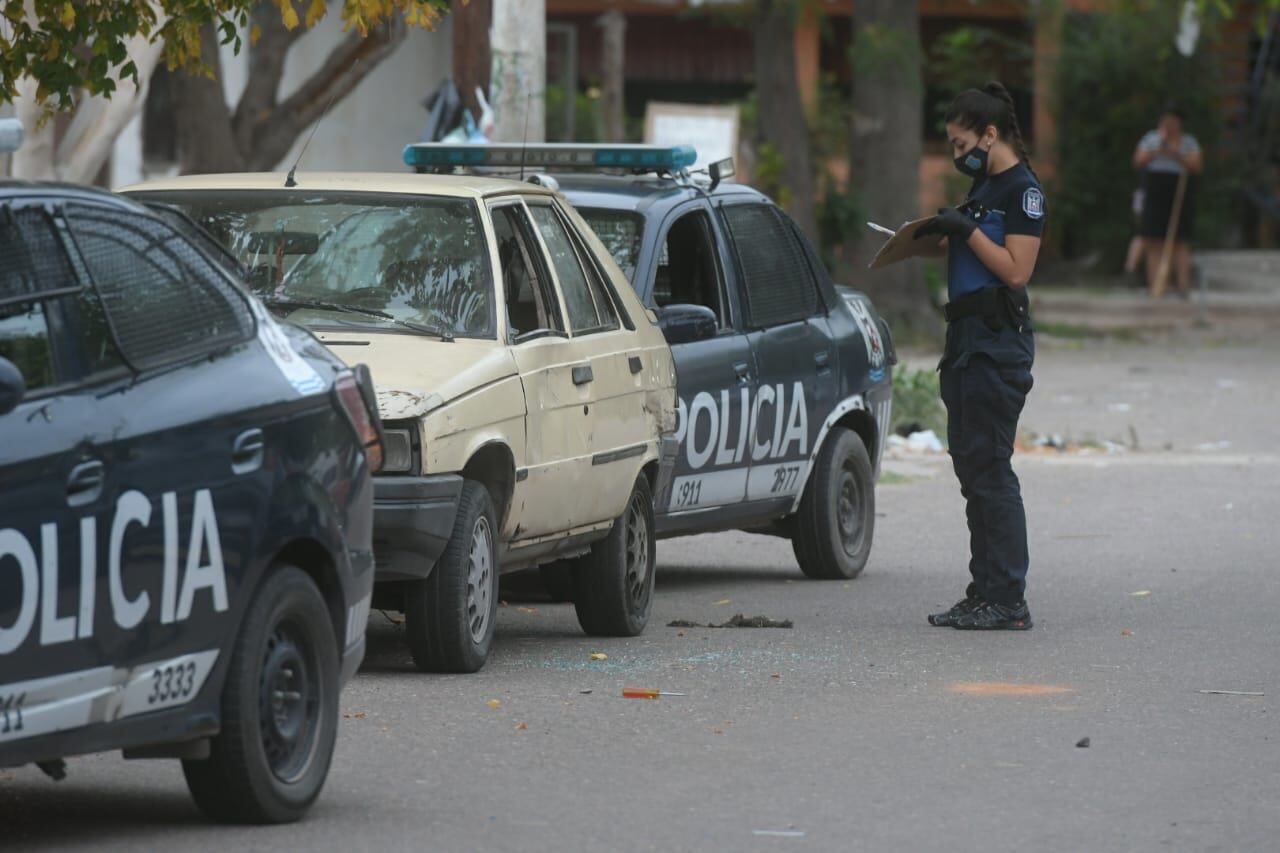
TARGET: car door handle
(84,483)
(822,359)
(582,374)
(743,370)
(248,451)
(635,363)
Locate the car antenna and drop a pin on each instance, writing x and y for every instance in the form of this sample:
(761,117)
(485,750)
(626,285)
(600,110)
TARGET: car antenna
(288,180)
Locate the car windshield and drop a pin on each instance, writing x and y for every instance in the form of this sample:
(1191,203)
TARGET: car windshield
(620,231)
(356,259)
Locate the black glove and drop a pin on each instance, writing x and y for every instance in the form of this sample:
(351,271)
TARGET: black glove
(948,223)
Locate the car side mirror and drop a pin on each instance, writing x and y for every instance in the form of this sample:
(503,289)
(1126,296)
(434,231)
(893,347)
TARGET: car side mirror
(684,324)
(12,386)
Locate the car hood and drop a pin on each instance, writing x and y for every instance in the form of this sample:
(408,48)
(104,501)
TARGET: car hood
(414,374)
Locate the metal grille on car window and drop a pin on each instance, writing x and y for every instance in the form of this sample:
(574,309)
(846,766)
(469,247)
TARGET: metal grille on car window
(165,300)
(33,262)
(779,285)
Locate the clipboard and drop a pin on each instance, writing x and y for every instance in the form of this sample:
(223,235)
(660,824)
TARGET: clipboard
(903,244)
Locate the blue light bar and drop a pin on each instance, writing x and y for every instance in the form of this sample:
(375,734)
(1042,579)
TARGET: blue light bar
(647,158)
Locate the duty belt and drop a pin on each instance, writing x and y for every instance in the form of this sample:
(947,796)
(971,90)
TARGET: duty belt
(999,307)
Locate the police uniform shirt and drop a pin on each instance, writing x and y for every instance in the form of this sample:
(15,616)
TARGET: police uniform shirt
(1012,203)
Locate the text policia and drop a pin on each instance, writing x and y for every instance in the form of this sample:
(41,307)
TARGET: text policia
(789,426)
(749,444)
(38,576)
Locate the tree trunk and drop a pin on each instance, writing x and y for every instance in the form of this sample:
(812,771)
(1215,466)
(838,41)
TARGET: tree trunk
(260,132)
(519,79)
(34,161)
(885,149)
(99,121)
(471,61)
(613,25)
(206,142)
(781,120)
(349,63)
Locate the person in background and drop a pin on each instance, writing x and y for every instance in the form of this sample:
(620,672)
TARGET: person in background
(1163,156)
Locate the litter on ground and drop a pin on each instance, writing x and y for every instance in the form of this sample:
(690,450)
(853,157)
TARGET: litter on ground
(779,833)
(1232,692)
(647,693)
(738,621)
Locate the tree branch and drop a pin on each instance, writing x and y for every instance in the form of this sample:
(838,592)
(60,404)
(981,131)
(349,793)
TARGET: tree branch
(99,121)
(275,134)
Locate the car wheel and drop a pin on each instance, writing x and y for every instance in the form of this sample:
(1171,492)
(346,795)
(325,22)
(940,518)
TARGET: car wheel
(279,709)
(557,579)
(449,617)
(837,517)
(613,584)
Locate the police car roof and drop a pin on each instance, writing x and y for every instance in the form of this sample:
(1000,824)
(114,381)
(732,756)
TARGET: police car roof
(643,194)
(459,186)
(11,189)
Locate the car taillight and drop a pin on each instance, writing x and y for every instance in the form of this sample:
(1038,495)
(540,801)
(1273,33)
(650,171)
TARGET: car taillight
(352,399)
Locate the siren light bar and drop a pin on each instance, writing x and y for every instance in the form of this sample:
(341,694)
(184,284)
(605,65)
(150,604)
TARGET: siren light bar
(647,158)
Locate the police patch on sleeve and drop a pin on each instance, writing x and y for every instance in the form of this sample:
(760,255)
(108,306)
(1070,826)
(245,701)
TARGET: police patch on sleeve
(1033,203)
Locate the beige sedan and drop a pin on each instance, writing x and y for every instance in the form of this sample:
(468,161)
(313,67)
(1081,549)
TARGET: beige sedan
(527,396)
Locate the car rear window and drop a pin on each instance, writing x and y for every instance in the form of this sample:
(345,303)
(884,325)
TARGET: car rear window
(39,278)
(621,232)
(411,258)
(779,283)
(165,300)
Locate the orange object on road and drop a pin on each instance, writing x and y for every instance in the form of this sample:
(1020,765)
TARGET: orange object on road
(645,693)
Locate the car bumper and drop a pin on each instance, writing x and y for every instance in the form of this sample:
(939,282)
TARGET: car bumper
(412,521)
(359,588)
(668,448)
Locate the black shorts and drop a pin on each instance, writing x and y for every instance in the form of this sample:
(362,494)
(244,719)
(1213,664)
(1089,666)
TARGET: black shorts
(1159,189)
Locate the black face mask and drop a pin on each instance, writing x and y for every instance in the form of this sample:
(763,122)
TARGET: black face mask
(973,162)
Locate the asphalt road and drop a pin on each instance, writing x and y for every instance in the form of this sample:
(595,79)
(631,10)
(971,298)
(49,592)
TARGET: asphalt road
(861,728)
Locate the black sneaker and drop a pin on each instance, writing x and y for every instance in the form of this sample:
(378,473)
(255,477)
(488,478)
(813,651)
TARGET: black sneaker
(989,616)
(948,618)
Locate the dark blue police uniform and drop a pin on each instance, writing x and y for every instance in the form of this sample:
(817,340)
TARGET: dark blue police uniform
(986,374)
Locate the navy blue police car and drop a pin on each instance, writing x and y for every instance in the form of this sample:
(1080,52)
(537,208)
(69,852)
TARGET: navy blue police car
(185,509)
(784,378)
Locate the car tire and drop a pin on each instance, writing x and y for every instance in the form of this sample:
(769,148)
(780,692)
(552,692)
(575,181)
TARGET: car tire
(837,517)
(270,769)
(613,584)
(450,616)
(557,579)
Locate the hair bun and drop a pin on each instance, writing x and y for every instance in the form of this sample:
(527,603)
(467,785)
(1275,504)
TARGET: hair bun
(997,90)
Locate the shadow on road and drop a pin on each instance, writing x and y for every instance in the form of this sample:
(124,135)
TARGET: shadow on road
(675,577)
(40,814)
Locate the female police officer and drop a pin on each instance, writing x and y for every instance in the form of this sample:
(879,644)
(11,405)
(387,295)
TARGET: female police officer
(992,239)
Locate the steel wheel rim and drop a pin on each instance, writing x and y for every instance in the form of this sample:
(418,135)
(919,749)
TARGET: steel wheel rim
(289,702)
(849,506)
(479,580)
(637,552)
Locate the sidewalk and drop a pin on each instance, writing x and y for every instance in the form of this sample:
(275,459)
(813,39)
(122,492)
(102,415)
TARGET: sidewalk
(1239,289)
(1111,309)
